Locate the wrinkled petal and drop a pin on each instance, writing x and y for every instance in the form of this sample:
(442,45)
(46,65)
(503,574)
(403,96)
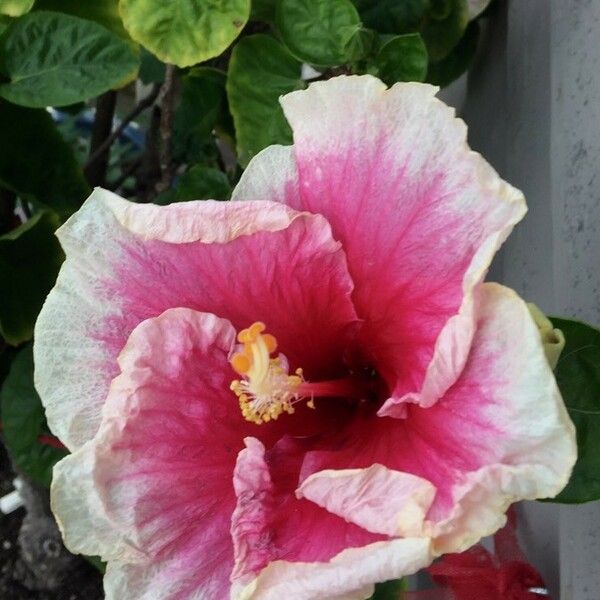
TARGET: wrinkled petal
(161,465)
(378,499)
(420,217)
(127,262)
(348,576)
(269,524)
(500,434)
(251,520)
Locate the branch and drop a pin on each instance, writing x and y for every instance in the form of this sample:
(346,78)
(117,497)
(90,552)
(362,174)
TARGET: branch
(139,108)
(103,122)
(166,129)
(149,172)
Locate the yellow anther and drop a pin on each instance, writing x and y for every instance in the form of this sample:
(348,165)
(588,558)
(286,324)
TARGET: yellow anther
(250,335)
(266,390)
(241,363)
(270,342)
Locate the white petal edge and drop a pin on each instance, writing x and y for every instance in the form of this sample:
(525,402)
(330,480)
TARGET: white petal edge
(73,398)
(80,512)
(350,575)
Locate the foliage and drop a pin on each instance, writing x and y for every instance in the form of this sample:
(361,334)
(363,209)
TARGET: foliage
(15,8)
(30,257)
(52,59)
(46,171)
(261,69)
(24,423)
(389,590)
(402,58)
(578,377)
(184,32)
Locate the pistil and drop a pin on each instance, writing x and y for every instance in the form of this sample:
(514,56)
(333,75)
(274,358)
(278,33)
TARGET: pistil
(266,389)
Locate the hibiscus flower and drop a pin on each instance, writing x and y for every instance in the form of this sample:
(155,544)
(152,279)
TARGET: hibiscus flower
(308,389)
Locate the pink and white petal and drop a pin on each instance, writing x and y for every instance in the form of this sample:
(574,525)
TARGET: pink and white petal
(350,575)
(419,214)
(271,175)
(376,498)
(169,579)
(127,262)
(162,461)
(81,514)
(500,434)
(518,423)
(270,523)
(251,520)
(324,555)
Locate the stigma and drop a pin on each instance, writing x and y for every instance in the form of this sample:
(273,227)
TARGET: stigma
(266,389)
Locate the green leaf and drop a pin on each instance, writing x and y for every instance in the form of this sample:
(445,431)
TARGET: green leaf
(4,23)
(23,419)
(201,183)
(166,197)
(445,71)
(578,377)
(263,10)
(389,590)
(152,70)
(440,9)
(260,71)
(443,34)
(320,32)
(104,12)
(15,8)
(203,107)
(53,59)
(403,58)
(30,258)
(7,355)
(50,173)
(392,16)
(185,32)
(97,562)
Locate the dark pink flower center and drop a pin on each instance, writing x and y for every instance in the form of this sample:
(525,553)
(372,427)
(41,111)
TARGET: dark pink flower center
(266,389)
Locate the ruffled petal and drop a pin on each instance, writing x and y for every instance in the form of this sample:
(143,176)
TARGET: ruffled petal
(291,548)
(500,434)
(420,217)
(376,498)
(350,575)
(152,492)
(251,520)
(257,261)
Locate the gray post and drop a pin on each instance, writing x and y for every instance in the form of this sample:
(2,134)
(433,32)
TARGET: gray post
(533,107)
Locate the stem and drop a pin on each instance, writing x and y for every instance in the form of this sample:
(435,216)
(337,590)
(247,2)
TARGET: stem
(95,171)
(149,174)
(166,129)
(139,108)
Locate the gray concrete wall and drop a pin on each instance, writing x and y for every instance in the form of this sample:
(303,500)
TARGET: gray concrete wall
(533,107)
